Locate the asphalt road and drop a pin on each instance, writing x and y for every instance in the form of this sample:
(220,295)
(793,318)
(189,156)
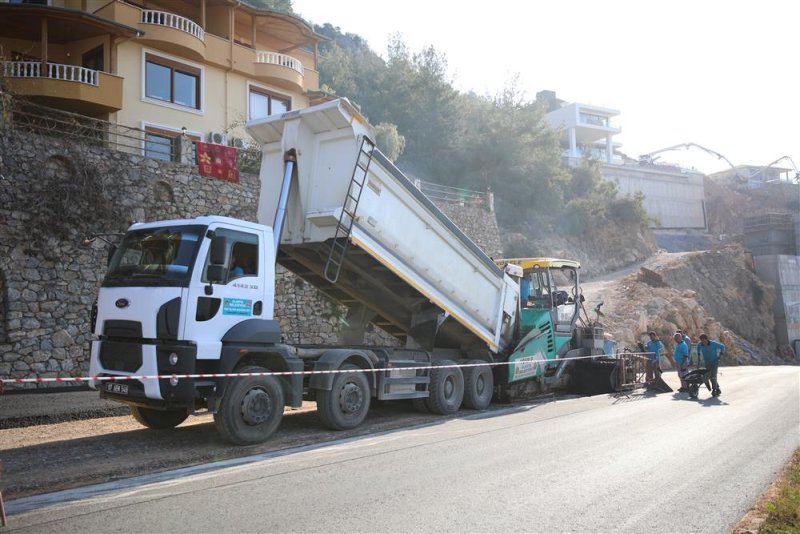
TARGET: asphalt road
(601,464)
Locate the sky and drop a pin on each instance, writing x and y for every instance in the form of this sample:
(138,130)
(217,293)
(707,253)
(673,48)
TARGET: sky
(720,74)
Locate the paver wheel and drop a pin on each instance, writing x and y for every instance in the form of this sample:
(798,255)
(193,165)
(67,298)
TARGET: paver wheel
(251,408)
(346,404)
(159,419)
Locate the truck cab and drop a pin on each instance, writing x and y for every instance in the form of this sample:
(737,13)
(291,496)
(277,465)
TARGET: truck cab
(174,294)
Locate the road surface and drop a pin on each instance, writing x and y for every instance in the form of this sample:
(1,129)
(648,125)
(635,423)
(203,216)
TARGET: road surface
(643,463)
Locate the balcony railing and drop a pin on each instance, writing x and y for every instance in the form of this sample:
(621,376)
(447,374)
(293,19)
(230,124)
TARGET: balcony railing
(54,71)
(171,20)
(275,58)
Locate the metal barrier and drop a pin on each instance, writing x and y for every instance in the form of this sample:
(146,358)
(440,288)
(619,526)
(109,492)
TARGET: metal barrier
(448,193)
(631,370)
(43,120)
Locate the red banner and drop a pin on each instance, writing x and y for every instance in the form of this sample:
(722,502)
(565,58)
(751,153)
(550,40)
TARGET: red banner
(218,161)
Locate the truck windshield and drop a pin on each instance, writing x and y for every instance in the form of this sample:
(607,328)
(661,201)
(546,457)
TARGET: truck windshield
(155,256)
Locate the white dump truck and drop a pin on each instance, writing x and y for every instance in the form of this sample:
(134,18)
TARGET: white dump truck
(196,297)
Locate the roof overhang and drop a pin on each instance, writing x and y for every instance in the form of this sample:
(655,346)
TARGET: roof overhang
(286,27)
(23,21)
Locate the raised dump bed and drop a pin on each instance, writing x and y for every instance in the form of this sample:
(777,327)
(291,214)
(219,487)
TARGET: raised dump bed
(407,268)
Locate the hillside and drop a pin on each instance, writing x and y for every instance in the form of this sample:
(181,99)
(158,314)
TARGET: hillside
(714,291)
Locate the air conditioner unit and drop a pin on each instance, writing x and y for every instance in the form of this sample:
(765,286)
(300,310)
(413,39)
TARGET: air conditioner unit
(218,138)
(238,142)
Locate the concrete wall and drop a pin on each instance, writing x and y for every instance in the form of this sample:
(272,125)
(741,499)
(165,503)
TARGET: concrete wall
(674,199)
(783,272)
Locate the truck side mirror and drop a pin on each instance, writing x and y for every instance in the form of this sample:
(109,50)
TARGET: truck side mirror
(219,247)
(217,272)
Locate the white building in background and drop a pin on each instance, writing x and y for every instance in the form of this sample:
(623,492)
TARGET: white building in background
(673,197)
(588,130)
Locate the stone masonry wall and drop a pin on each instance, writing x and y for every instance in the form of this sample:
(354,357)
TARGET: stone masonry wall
(54,192)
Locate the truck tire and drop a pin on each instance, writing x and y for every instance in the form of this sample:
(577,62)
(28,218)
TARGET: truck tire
(346,404)
(419,405)
(446,388)
(158,419)
(478,385)
(251,408)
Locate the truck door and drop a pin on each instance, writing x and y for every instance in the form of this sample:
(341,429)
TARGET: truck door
(214,309)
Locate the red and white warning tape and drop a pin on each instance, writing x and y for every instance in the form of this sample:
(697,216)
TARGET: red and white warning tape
(118,378)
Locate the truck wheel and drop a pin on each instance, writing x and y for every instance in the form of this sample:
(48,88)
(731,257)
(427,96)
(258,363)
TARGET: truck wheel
(159,419)
(478,385)
(251,408)
(346,404)
(446,388)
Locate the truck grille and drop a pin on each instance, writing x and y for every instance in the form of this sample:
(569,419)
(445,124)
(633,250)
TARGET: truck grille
(121,355)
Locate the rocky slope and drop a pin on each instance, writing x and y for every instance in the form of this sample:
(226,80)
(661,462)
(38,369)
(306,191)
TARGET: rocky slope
(714,291)
(602,251)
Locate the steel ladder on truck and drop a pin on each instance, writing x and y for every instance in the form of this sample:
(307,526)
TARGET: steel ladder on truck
(348,215)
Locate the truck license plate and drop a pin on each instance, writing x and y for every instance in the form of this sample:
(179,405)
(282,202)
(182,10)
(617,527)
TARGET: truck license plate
(113,387)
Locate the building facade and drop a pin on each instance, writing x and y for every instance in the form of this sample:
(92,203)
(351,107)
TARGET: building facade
(199,67)
(673,197)
(587,130)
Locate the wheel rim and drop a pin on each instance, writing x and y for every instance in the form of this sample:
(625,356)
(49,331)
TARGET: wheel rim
(351,398)
(256,406)
(449,387)
(480,385)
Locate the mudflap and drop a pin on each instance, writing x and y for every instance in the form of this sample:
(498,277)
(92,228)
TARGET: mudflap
(593,377)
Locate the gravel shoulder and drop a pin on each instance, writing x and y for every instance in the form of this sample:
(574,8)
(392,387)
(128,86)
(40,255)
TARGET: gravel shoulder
(75,452)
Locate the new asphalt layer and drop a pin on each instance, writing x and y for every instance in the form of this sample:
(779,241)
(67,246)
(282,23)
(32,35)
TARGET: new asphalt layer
(36,407)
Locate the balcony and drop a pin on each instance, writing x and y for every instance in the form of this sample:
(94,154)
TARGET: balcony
(279,69)
(67,87)
(173,33)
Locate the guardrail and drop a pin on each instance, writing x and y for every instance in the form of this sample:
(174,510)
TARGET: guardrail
(446,193)
(43,120)
(171,20)
(53,71)
(276,58)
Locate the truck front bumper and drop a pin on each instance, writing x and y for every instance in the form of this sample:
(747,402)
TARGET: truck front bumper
(131,358)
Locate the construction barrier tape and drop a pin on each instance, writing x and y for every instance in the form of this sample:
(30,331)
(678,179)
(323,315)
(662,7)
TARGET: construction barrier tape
(117,378)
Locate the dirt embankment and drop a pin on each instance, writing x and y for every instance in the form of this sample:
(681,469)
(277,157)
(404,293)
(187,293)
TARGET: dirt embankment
(714,291)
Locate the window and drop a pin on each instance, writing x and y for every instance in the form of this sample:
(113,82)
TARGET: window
(242,254)
(163,144)
(155,256)
(172,82)
(264,104)
(160,144)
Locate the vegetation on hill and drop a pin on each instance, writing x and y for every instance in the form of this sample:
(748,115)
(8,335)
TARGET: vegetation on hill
(477,142)
(480,142)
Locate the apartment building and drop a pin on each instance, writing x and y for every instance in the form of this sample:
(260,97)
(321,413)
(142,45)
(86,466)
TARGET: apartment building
(673,197)
(201,67)
(587,130)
